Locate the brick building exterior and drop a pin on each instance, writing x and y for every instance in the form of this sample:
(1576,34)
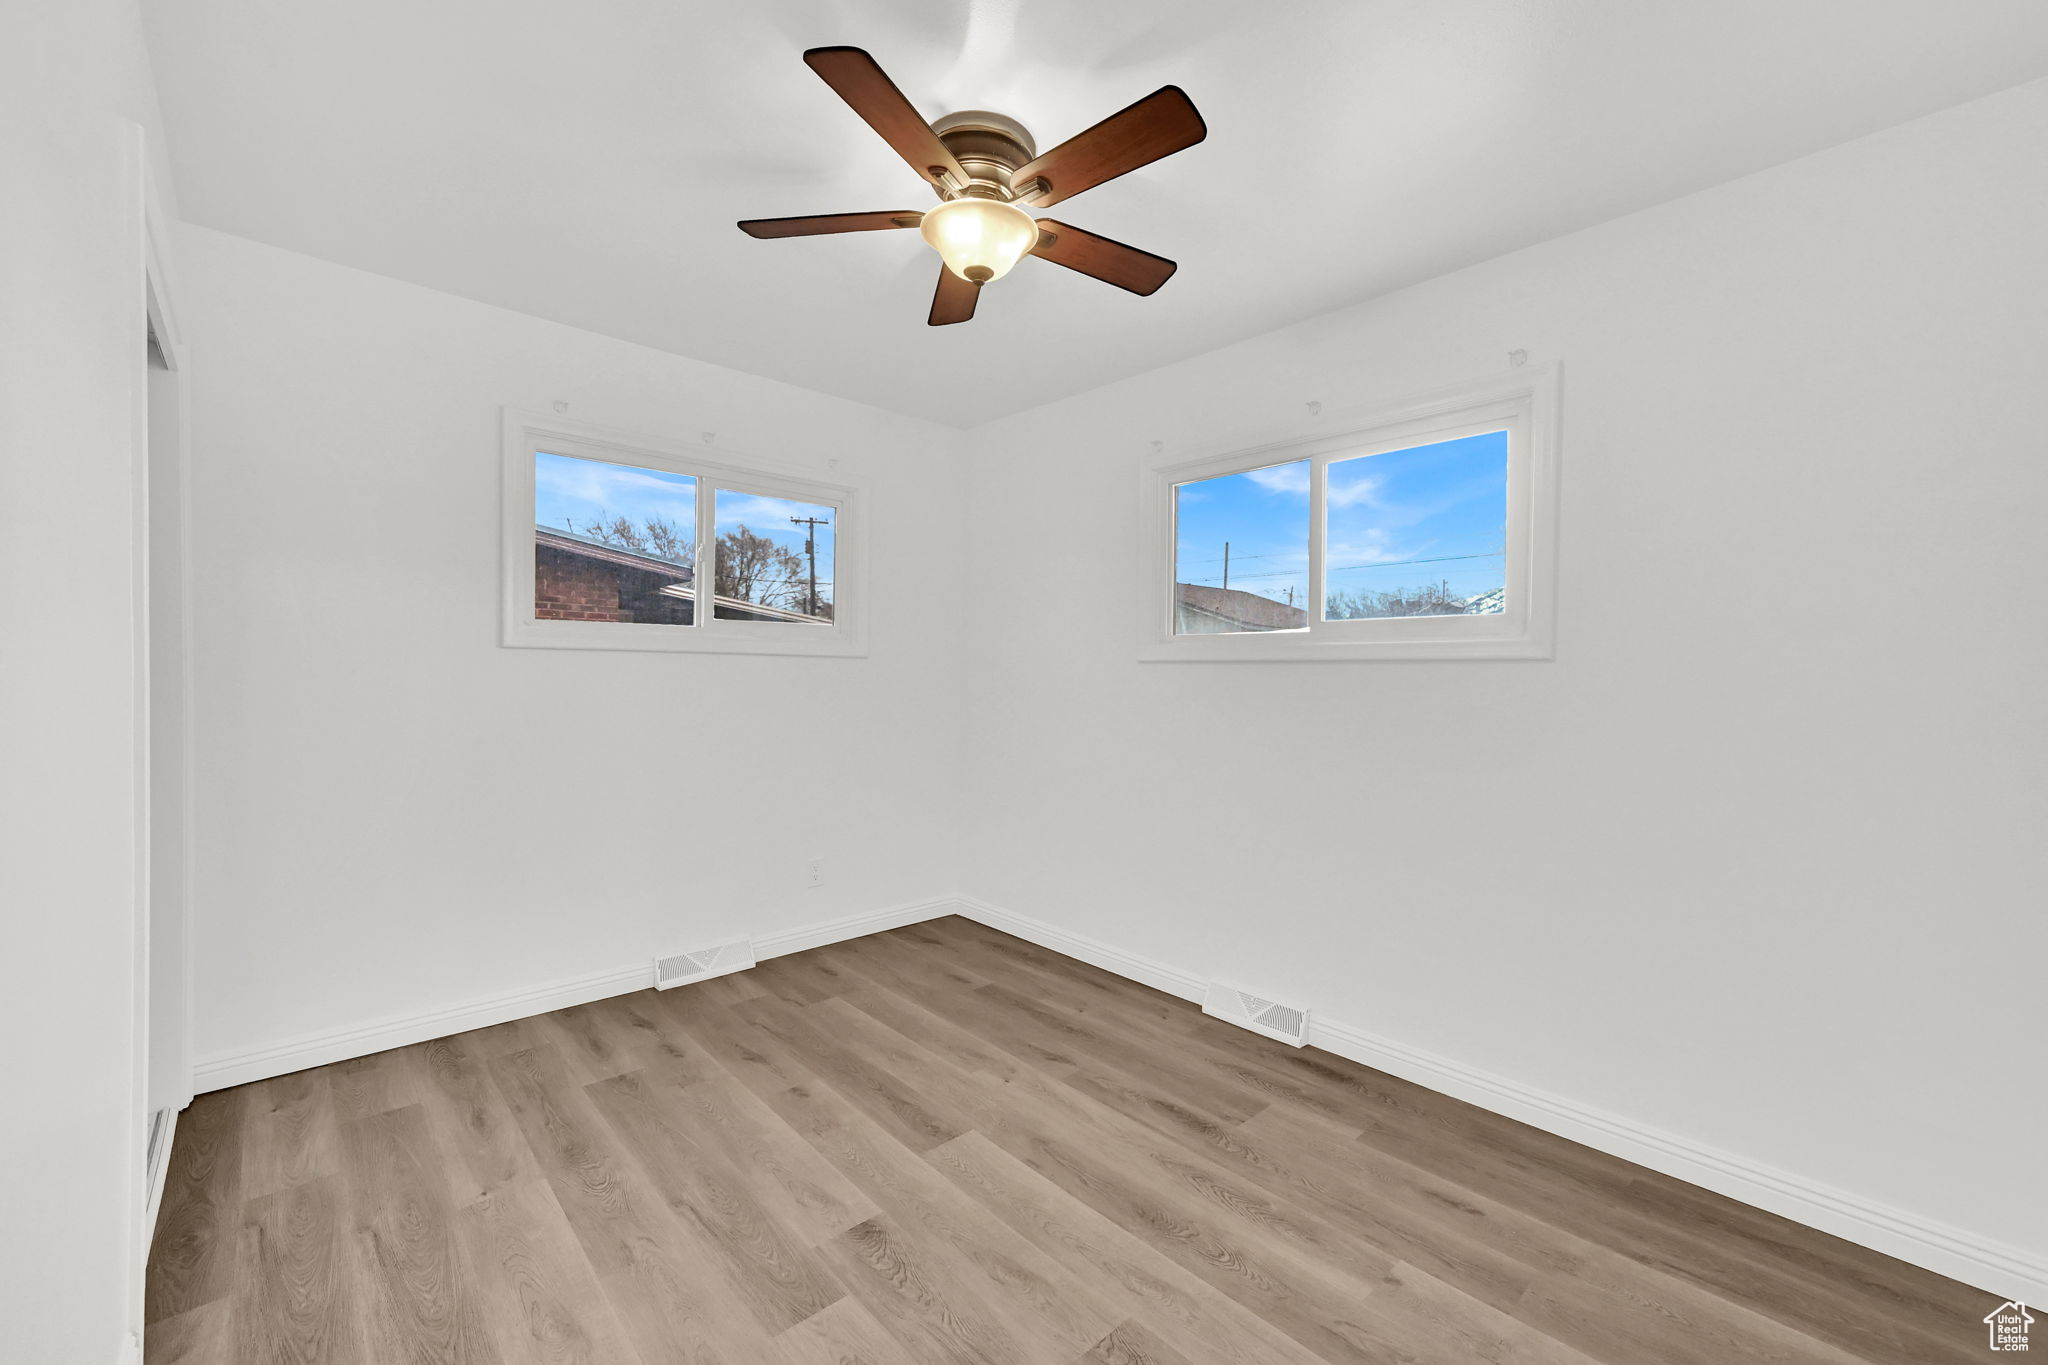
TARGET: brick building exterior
(568,586)
(579,579)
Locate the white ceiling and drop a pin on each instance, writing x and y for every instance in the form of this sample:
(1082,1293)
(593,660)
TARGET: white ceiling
(585,160)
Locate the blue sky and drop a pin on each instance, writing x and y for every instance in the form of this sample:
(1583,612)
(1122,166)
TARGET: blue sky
(567,488)
(585,491)
(1440,502)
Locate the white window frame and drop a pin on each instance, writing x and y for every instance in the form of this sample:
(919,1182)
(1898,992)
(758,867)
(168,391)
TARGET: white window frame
(529,433)
(1523,402)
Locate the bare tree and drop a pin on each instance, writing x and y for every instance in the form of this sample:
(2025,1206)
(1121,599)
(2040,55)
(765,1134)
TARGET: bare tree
(756,569)
(653,536)
(669,542)
(1432,599)
(750,567)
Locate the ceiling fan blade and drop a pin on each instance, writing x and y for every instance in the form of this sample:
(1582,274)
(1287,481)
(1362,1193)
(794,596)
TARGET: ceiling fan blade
(867,88)
(1110,261)
(1162,123)
(830,222)
(954,301)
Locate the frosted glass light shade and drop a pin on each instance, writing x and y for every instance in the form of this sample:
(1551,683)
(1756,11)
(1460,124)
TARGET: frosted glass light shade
(979,239)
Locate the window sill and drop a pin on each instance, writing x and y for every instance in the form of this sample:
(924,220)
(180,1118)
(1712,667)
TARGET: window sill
(812,641)
(1265,649)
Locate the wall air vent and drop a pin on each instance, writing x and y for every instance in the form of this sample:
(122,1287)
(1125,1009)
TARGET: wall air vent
(1255,1012)
(701,964)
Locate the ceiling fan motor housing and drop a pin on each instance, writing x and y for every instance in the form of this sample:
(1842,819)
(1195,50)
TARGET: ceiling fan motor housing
(989,147)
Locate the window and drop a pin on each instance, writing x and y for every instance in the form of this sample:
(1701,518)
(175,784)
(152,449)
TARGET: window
(1421,531)
(773,554)
(624,542)
(1256,523)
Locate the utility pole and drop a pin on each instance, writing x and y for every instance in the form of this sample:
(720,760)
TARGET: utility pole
(1226,563)
(811,525)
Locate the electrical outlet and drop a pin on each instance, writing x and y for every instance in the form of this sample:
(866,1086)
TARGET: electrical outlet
(814,872)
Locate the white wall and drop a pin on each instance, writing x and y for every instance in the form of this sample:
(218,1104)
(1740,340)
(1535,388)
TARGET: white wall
(396,814)
(1754,860)
(74,88)
(1758,859)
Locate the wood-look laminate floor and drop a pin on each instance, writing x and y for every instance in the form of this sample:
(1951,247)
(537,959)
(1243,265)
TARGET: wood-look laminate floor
(943,1144)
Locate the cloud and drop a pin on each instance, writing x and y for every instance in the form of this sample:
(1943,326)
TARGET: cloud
(1293,480)
(587,487)
(768,516)
(570,489)
(595,482)
(1282,478)
(1351,492)
(1372,547)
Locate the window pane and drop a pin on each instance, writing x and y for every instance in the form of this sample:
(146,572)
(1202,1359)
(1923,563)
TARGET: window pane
(1241,552)
(774,559)
(1418,532)
(612,542)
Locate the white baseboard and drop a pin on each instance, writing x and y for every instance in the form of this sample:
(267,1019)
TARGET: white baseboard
(1144,970)
(854,926)
(220,1070)
(1999,1268)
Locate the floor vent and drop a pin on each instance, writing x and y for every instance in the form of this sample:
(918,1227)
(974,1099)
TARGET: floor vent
(1260,1015)
(702,964)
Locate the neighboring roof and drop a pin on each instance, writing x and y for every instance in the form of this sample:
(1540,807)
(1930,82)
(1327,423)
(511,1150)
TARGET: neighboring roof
(1240,608)
(569,542)
(558,539)
(1488,603)
(757,610)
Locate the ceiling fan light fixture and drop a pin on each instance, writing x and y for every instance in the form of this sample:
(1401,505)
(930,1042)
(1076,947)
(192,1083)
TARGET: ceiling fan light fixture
(979,239)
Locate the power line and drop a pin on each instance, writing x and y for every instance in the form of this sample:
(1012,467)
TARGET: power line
(1384,564)
(1434,559)
(1235,556)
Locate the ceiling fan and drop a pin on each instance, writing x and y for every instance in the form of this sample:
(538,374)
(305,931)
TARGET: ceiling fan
(987,171)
